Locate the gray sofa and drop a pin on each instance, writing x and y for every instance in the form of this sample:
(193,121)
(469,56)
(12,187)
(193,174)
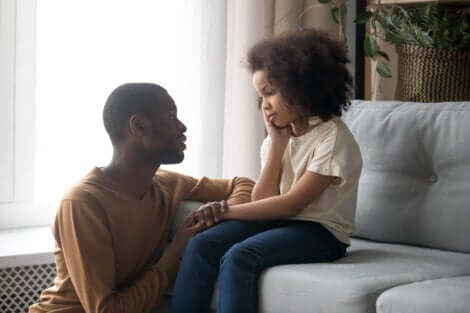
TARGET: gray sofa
(411,249)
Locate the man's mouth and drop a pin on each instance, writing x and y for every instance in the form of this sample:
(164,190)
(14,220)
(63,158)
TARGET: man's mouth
(182,142)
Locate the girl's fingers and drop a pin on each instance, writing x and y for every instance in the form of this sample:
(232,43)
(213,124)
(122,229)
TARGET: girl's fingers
(216,212)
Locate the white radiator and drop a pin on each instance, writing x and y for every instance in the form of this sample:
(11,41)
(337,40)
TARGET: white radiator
(21,286)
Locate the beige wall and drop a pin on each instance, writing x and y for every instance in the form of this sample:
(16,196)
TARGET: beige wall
(284,15)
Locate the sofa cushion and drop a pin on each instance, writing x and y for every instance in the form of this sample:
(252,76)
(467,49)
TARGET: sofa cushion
(415,183)
(447,295)
(353,283)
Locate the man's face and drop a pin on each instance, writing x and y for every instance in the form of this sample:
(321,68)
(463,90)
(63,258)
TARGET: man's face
(166,144)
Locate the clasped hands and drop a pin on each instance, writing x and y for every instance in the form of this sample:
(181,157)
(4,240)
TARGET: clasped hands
(211,213)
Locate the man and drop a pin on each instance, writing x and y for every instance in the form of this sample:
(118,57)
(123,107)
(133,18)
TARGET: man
(112,228)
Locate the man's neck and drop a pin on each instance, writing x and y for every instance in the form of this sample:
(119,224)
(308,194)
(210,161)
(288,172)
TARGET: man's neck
(131,175)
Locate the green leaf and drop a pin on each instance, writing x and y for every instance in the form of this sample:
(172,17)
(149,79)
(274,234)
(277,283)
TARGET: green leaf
(383,70)
(324,1)
(370,46)
(383,55)
(335,14)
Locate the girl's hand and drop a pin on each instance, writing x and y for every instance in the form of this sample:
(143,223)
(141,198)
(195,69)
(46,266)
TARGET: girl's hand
(210,213)
(279,135)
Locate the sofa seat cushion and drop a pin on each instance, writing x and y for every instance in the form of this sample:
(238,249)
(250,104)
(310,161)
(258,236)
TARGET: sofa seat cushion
(447,295)
(354,283)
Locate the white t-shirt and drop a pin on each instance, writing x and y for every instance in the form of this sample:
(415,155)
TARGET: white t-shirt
(328,149)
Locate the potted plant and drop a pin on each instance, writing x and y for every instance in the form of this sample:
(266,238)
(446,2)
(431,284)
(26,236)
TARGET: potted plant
(432,42)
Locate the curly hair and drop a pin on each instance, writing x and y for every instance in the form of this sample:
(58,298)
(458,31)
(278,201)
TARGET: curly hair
(309,68)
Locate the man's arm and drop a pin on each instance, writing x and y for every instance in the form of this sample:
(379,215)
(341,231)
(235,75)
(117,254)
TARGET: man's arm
(235,191)
(82,232)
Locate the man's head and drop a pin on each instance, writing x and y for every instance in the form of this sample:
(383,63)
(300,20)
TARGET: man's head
(141,117)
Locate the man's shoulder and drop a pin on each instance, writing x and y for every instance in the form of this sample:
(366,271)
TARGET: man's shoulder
(80,192)
(86,189)
(169,178)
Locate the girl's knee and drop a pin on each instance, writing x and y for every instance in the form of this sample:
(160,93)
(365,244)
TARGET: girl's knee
(198,245)
(242,255)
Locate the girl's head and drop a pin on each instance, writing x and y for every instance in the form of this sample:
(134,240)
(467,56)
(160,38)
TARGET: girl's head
(304,72)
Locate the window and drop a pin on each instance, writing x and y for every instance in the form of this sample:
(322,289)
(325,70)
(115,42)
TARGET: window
(81,50)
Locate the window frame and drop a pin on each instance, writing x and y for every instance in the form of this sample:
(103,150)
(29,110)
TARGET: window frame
(18,96)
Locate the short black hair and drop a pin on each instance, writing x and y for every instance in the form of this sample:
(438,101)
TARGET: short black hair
(309,68)
(127,100)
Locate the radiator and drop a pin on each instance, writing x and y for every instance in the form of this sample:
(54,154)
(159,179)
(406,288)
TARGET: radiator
(21,286)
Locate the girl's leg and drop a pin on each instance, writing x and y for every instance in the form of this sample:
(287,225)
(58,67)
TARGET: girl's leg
(200,265)
(289,243)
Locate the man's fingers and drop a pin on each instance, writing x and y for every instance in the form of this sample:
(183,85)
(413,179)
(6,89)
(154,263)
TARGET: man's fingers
(190,219)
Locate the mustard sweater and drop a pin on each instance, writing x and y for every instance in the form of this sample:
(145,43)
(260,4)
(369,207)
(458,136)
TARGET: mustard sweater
(110,254)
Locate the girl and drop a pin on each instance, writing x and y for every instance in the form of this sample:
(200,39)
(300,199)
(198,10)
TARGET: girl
(310,165)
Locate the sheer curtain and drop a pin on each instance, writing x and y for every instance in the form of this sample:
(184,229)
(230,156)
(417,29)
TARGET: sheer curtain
(231,125)
(194,48)
(84,50)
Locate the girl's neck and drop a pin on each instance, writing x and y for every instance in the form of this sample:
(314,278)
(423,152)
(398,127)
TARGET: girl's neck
(300,127)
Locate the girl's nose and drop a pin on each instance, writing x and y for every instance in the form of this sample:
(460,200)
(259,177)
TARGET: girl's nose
(265,105)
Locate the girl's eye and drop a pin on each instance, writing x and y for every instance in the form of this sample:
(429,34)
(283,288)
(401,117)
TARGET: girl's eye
(260,101)
(269,92)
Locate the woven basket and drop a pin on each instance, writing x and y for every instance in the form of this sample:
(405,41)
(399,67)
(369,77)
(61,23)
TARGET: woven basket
(432,74)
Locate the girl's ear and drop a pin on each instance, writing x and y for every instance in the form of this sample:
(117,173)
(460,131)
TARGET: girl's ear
(139,126)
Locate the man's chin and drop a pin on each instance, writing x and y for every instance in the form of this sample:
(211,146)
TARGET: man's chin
(173,158)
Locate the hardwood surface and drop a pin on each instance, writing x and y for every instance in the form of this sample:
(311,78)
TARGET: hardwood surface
(459,2)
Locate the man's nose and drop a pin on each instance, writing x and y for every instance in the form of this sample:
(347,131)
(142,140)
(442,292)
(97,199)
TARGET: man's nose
(183,127)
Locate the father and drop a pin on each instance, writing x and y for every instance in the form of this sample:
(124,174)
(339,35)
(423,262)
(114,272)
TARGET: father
(111,229)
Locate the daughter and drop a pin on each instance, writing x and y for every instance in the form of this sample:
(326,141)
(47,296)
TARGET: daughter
(310,165)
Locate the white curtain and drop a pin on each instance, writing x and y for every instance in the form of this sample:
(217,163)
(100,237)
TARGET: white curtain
(194,48)
(231,124)
(244,128)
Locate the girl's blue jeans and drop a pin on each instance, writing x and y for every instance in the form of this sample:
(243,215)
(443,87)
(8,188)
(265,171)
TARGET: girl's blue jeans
(236,252)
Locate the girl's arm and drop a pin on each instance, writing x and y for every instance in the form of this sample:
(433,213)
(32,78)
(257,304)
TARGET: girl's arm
(307,188)
(269,180)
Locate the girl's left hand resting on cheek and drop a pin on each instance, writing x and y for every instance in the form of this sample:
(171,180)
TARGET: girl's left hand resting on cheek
(211,212)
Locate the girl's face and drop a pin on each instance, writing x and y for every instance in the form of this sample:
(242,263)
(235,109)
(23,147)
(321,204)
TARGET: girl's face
(273,104)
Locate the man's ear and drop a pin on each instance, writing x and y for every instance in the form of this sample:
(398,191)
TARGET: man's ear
(139,126)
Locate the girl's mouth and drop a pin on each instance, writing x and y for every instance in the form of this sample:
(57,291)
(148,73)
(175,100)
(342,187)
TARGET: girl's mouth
(270,117)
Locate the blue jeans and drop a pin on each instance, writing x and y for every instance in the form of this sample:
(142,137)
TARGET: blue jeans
(237,252)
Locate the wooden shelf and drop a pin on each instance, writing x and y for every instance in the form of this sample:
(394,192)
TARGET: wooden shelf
(384,2)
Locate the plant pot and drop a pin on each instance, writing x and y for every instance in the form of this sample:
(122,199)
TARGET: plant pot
(432,74)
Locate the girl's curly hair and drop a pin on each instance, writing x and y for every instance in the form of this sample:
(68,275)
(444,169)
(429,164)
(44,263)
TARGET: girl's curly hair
(309,68)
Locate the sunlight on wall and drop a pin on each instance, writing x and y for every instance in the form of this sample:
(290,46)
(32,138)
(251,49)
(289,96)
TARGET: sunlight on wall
(87,48)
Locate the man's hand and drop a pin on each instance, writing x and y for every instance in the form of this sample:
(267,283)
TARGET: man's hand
(191,227)
(211,213)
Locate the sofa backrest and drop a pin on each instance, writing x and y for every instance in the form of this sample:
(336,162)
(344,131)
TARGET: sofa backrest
(415,183)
